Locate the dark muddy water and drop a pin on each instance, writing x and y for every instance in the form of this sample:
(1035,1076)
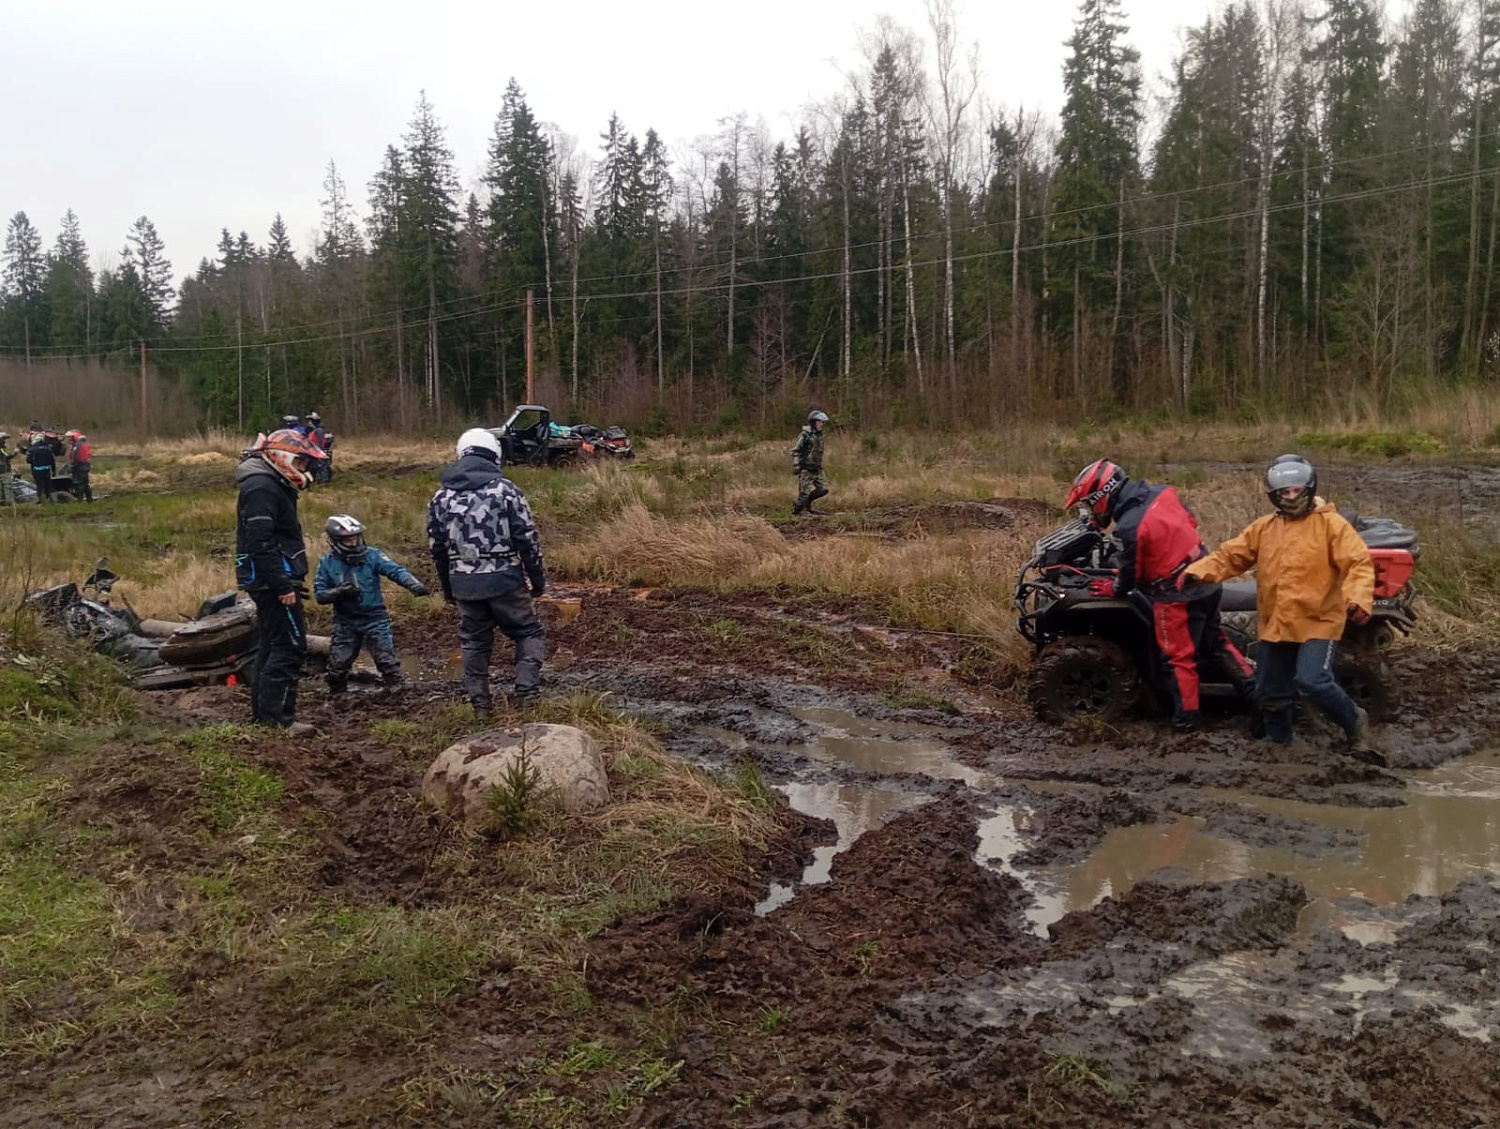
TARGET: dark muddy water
(1448,828)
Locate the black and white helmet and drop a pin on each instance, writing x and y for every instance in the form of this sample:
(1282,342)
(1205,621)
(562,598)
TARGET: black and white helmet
(315,418)
(1292,485)
(816,417)
(346,537)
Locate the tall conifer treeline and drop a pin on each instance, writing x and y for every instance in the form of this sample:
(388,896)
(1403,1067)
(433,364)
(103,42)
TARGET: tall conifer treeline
(1312,212)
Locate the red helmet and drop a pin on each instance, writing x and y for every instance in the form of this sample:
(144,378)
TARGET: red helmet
(282,449)
(1094,490)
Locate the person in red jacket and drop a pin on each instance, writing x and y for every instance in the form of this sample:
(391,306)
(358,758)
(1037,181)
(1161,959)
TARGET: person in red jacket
(1158,538)
(80,462)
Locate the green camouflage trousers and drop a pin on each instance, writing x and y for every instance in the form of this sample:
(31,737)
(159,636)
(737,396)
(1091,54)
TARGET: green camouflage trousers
(7,488)
(810,482)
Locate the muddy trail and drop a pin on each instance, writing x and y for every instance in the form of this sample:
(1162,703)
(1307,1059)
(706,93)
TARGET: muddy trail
(1012,924)
(1459,493)
(968,918)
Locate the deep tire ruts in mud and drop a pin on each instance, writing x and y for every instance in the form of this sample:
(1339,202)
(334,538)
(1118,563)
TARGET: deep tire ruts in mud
(1082,675)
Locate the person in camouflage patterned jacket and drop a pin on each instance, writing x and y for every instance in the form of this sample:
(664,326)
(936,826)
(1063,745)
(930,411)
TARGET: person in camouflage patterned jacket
(489,563)
(807,464)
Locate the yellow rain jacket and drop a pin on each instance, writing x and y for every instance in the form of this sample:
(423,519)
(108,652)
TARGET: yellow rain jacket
(1308,571)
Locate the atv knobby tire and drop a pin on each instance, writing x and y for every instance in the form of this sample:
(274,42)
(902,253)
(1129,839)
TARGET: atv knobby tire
(1368,679)
(1074,678)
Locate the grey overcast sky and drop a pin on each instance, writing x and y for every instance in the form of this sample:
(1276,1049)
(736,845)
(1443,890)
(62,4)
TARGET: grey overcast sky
(210,114)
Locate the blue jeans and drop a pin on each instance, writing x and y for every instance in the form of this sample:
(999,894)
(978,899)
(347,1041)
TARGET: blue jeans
(1283,670)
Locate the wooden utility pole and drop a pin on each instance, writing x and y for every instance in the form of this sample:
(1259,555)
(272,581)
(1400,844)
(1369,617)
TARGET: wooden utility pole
(530,361)
(145,404)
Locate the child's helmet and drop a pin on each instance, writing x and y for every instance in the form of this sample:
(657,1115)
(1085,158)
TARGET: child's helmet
(346,537)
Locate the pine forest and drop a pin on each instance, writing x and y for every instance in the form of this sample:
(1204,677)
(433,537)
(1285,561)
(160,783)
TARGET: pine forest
(1306,211)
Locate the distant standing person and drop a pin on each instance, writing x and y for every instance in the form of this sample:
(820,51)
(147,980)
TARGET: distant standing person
(43,461)
(7,476)
(270,564)
(80,460)
(807,463)
(313,428)
(489,563)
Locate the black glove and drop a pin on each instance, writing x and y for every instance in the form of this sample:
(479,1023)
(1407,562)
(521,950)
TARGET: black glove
(342,592)
(417,588)
(538,588)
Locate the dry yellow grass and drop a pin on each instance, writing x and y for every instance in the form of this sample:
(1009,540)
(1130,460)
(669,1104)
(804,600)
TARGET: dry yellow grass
(178,583)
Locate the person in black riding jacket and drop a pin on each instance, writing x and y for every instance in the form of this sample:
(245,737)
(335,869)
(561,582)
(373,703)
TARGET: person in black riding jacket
(271,565)
(42,459)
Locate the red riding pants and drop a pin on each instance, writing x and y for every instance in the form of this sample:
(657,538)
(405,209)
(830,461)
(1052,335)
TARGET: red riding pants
(1185,631)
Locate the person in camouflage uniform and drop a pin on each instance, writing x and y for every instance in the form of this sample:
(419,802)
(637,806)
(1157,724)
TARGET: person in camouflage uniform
(807,464)
(489,562)
(7,476)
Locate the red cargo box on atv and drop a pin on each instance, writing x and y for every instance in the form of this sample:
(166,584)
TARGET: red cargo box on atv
(1393,569)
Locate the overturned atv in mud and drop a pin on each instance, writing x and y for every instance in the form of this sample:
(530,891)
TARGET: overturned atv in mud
(216,647)
(1097,655)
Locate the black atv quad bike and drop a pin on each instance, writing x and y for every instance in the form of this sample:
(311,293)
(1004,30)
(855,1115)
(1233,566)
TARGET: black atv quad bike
(1097,655)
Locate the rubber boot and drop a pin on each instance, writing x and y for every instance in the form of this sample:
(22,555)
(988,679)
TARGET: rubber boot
(800,504)
(1187,721)
(478,690)
(337,685)
(1359,744)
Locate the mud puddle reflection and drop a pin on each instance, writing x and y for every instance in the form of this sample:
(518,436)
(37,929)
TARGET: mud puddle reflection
(842,739)
(1448,829)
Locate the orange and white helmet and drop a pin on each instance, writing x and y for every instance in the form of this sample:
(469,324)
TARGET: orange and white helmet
(74,435)
(285,450)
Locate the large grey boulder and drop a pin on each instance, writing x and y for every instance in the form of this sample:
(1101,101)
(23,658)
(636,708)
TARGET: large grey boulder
(569,762)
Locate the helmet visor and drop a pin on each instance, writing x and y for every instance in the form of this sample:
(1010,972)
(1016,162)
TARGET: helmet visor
(1282,476)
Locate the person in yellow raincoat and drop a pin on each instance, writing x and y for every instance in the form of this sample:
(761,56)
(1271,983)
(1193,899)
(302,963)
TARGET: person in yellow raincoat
(1313,573)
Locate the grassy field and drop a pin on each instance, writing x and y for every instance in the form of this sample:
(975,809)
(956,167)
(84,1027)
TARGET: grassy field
(107,932)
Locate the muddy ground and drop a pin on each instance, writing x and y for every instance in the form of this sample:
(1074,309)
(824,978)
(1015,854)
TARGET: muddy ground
(978,921)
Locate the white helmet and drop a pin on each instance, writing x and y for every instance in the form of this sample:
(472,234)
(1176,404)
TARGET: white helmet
(479,440)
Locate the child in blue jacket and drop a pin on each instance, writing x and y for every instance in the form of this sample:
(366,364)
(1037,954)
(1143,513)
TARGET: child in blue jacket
(349,579)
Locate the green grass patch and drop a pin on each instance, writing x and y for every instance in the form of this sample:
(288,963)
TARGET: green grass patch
(359,975)
(1375,444)
(1459,573)
(1080,1071)
(242,798)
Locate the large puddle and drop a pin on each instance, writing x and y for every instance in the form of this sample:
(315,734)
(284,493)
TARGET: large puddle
(1448,828)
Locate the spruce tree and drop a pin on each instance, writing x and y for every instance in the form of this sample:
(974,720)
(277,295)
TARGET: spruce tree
(70,287)
(23,286)
(146,253)
(1098,165)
